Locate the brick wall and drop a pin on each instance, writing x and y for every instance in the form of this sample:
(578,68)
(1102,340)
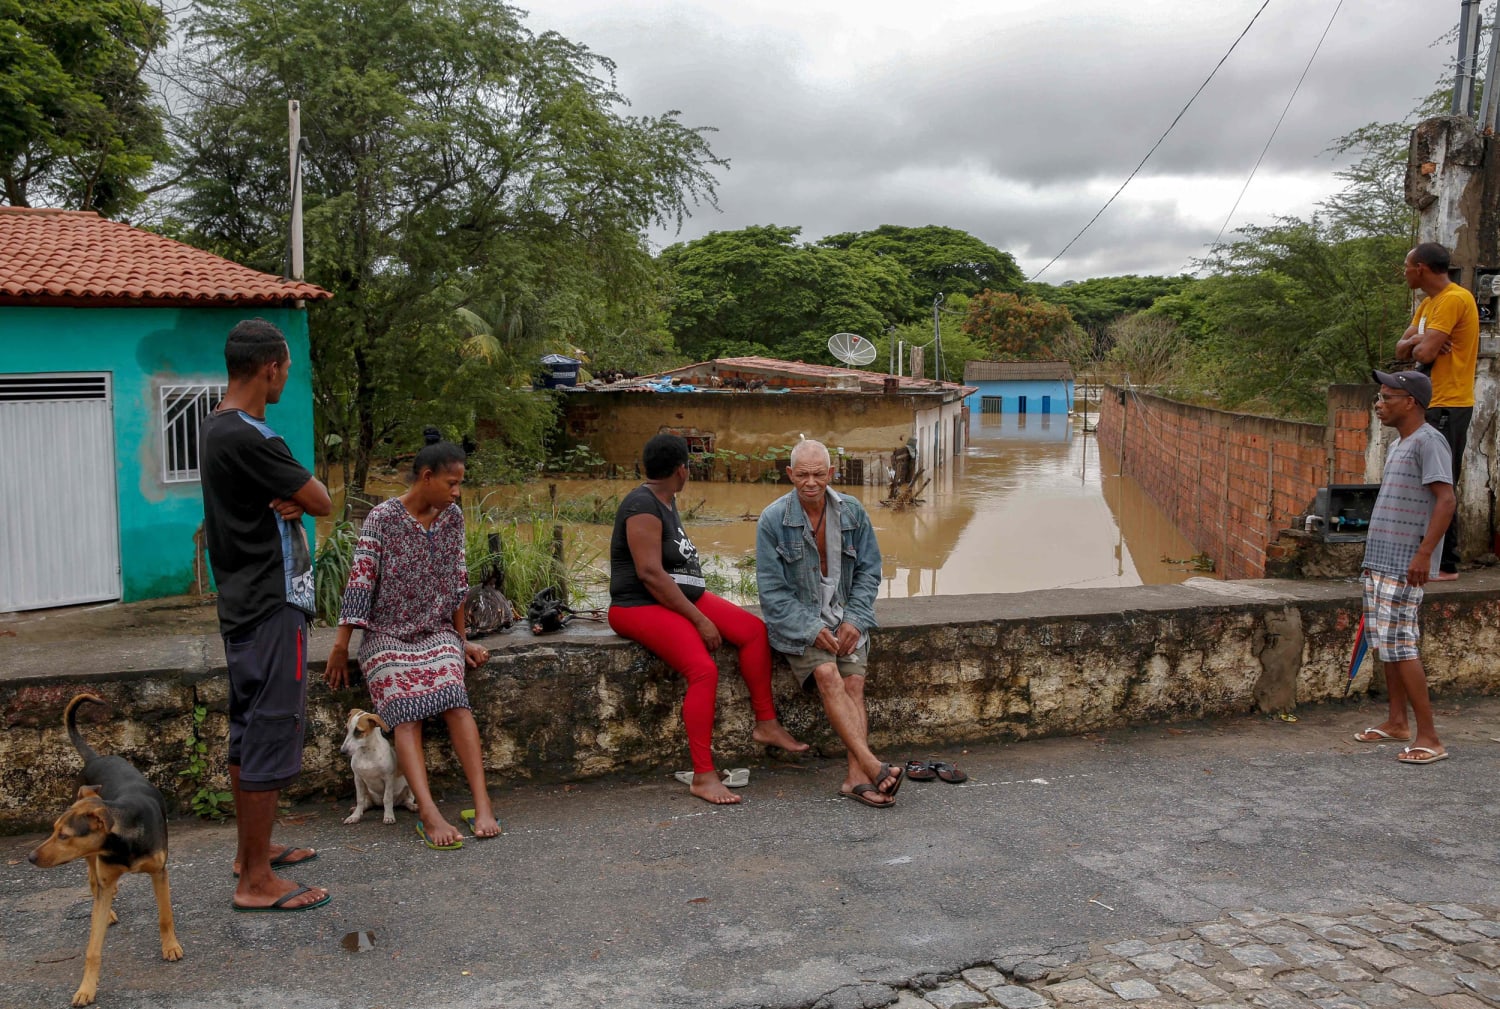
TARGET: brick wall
(1231,481)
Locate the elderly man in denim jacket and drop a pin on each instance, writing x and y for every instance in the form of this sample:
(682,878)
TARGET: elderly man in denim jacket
(818,569)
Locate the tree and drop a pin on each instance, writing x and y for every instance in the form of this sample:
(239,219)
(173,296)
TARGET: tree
(456,160)
(78,125)
(1020,329)
(940,260)
(1098,302)
(732,292)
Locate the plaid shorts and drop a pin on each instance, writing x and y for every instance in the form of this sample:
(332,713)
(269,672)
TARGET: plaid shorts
(1391,616)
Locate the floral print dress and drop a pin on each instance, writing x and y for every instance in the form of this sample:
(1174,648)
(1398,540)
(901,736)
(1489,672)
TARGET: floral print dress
(404,585)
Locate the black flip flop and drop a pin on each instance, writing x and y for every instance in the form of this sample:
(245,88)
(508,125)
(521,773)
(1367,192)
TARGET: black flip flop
(858,793)
(947,772)
(282,861)
(920,770)
(280,903)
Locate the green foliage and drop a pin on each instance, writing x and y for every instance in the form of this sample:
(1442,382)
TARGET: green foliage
(207,802)
(1293,308)
(1020,328)
(457,161)
(1098,302)
(525,558)
(331,570)
(578,459)
(78,125)
(940,261)
(758,290)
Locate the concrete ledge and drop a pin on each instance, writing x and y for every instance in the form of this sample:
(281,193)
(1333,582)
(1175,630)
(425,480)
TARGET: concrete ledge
(944,669)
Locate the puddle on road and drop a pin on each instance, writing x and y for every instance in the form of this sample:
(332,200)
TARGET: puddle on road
(1031,504)
(358,942)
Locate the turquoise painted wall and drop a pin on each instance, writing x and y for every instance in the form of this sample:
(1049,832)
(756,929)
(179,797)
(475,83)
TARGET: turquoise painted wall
(1061,391)
(144,348)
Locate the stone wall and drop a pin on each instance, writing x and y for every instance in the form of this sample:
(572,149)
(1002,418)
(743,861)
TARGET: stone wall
(1231,481)
(943,670)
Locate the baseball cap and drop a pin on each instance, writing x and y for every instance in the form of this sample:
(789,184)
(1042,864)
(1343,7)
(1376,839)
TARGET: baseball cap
(1414,382)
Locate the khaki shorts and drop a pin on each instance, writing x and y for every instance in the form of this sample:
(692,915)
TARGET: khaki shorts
(803,666)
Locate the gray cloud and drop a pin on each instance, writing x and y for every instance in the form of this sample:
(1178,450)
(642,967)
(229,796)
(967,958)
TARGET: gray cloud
(1018,126)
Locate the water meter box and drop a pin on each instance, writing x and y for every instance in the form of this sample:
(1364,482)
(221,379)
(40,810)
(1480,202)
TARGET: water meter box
(1341,511)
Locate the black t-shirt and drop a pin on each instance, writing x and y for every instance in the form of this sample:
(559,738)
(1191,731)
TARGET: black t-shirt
(678,555)
(260,561)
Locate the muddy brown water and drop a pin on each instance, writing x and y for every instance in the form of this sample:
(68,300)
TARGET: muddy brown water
(1031,504)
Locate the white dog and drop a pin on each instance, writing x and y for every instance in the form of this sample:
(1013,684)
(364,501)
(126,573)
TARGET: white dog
(374,765)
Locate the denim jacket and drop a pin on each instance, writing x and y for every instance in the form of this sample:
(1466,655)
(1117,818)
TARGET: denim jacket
(787,571)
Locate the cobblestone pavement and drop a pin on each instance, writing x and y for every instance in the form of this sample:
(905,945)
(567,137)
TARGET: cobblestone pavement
(1390,955)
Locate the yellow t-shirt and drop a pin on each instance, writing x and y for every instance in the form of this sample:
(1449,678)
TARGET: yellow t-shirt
(1453,311)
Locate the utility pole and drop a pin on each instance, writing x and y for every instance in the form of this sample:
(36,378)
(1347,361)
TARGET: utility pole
(1489,104)
(938,371)
(294,131)
(1468,59)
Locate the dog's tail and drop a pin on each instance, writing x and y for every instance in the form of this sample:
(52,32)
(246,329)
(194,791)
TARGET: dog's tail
(70,719)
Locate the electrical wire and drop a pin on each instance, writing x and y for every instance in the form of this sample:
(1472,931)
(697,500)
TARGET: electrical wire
(1154,146)
(1279,121)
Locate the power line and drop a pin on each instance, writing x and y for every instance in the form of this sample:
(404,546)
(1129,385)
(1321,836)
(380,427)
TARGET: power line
(1155,145)
(1272,137)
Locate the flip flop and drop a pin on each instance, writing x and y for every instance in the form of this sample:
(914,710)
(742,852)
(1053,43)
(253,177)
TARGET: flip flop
(920,770)
(947,772)
(422,833)
(735,777)
(280,903)
(1375,735)
(890,771)
(858,793)
(281,861)
(468,816)
(1432,757)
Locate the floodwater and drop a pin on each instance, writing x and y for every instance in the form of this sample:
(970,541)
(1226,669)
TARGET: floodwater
(1032,504)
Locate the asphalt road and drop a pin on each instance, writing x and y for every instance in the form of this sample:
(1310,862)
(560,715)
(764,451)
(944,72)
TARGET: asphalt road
(629,892)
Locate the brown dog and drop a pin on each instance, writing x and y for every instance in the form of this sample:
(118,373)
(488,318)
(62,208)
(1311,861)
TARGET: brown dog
(119,824)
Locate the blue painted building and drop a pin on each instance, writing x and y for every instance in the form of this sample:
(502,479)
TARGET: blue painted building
(111,350)
(1021,387)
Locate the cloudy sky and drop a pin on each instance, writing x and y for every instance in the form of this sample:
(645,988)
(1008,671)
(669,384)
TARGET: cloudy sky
(1016,119)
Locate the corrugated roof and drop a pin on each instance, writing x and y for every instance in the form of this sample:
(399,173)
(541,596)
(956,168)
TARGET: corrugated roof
(869,381)
(70,256)
(1014,371)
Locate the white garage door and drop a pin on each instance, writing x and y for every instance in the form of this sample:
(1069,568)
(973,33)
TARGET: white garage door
(59,522)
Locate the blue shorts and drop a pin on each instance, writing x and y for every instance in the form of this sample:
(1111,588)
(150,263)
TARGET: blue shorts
(268,700)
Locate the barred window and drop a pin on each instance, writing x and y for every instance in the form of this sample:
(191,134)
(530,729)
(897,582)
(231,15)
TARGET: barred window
(990,404)
(183,408)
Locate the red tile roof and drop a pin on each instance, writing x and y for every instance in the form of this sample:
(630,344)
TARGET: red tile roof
(77,257)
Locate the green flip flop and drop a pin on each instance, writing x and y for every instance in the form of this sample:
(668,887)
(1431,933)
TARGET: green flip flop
(422,833)
(468,816)
(280,903)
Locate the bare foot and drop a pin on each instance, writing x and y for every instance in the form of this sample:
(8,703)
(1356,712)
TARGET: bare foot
(772,733)
(1445,576)
(284,855)
(439,830)
(246,896)
(710,788)
(485,824)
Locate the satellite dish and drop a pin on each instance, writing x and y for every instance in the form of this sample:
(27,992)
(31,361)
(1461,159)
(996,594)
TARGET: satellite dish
(851,348)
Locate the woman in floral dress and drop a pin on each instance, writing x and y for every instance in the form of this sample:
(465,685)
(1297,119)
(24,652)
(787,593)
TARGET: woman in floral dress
(406,590)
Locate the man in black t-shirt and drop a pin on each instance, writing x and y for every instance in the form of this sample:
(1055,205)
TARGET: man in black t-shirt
(254,496)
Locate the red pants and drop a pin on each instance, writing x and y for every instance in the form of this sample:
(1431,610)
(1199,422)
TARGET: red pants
(673,638)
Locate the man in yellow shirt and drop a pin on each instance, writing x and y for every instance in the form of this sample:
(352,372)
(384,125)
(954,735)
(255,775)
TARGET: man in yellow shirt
(1443,339)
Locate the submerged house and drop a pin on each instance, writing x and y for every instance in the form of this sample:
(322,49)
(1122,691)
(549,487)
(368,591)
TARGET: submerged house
(1024,387)
(741,415)
(111,350)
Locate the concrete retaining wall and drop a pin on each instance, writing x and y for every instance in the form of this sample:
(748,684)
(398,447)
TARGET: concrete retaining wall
(943,670)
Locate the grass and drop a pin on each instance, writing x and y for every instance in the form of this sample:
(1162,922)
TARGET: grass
(524,556)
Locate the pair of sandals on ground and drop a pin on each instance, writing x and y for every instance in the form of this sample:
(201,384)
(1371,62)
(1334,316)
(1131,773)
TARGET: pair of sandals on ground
(916,770)
(1408,754)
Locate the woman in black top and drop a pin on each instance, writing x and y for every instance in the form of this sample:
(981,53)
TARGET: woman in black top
(657,597)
